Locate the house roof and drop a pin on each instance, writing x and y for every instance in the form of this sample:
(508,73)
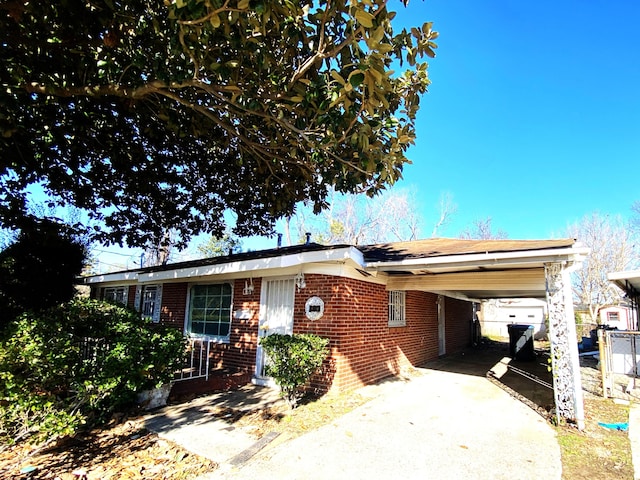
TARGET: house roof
(470,268)
(238,264)
(239,257)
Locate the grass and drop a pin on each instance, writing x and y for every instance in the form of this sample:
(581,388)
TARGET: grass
(309,415)
(597,452)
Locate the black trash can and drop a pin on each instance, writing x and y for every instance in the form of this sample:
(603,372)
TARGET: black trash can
(521,342)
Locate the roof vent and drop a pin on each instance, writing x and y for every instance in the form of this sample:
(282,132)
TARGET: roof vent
(279,240)
(308,238)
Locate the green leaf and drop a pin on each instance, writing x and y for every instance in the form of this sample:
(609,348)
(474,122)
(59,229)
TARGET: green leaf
(356,78)
(337,77)
(364,18)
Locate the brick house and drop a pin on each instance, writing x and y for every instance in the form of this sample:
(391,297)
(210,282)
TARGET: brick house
(384,308)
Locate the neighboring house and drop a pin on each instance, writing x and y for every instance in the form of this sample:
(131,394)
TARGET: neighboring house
(384,308)
(629,282)
(497,314)
(617,316)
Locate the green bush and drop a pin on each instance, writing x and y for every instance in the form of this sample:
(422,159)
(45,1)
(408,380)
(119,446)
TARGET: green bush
(77,364)
(292,359)
(51,250)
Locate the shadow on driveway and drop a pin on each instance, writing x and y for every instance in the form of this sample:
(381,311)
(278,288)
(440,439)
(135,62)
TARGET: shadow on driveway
(529,381)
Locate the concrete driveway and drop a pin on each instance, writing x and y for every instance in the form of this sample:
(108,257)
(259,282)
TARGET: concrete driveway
(438,425)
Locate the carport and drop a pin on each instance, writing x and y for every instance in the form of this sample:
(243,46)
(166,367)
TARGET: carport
(476,270)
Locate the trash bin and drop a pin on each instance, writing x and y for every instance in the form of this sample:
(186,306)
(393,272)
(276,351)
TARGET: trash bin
(521,342)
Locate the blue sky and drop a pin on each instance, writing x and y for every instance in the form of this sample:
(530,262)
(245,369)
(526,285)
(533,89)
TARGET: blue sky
(533,115)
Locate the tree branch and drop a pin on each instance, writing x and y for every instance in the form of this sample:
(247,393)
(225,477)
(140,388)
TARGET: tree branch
(206,18)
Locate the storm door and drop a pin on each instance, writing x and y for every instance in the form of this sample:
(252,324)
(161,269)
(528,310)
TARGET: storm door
(276,315)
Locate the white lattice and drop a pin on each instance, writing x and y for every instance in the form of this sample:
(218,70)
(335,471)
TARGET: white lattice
(567,385)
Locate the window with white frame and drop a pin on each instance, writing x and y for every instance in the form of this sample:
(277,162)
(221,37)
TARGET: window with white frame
(148,301)
(397,308)
(210,311)
(115,294)
(613,317)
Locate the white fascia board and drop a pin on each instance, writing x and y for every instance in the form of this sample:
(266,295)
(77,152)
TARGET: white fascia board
(249,267)
(623,279)
(486,259)
(628,275)
(345,271)
(122,277)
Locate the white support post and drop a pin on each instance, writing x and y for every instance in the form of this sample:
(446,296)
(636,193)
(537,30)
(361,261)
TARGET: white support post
(567,384)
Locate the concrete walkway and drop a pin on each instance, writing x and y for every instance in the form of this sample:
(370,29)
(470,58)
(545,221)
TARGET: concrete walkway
(199,426)
(439,425)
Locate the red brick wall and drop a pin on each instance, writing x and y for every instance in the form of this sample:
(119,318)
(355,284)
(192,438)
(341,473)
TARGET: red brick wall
(364,348)
(131,296)
(458,320)
(235,361)
(174,303)
(240,352)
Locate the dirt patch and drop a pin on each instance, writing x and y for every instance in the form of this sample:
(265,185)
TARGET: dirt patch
(129,451)
(123,451)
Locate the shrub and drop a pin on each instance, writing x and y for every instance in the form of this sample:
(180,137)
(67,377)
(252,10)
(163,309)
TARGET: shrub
(292,359)
(76,364)
(51,250)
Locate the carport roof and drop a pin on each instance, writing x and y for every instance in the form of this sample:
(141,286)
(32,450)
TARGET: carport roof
(475,269)
(438,247)
(629,281)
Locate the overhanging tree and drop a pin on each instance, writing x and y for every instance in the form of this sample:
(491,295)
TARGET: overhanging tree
(155,115)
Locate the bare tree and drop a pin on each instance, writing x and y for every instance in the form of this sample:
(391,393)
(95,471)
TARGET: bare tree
(447,210)
(358,219)
(482,230)
(635,218)
(160,251)
(612,249)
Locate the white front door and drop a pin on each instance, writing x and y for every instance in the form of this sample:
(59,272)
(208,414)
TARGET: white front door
(276,315)
(442,348)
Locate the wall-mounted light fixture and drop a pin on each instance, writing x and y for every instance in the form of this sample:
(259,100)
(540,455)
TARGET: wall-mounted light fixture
(248,287)
(300,283)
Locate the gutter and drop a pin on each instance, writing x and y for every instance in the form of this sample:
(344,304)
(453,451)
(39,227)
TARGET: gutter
(246,267)
(479,259)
